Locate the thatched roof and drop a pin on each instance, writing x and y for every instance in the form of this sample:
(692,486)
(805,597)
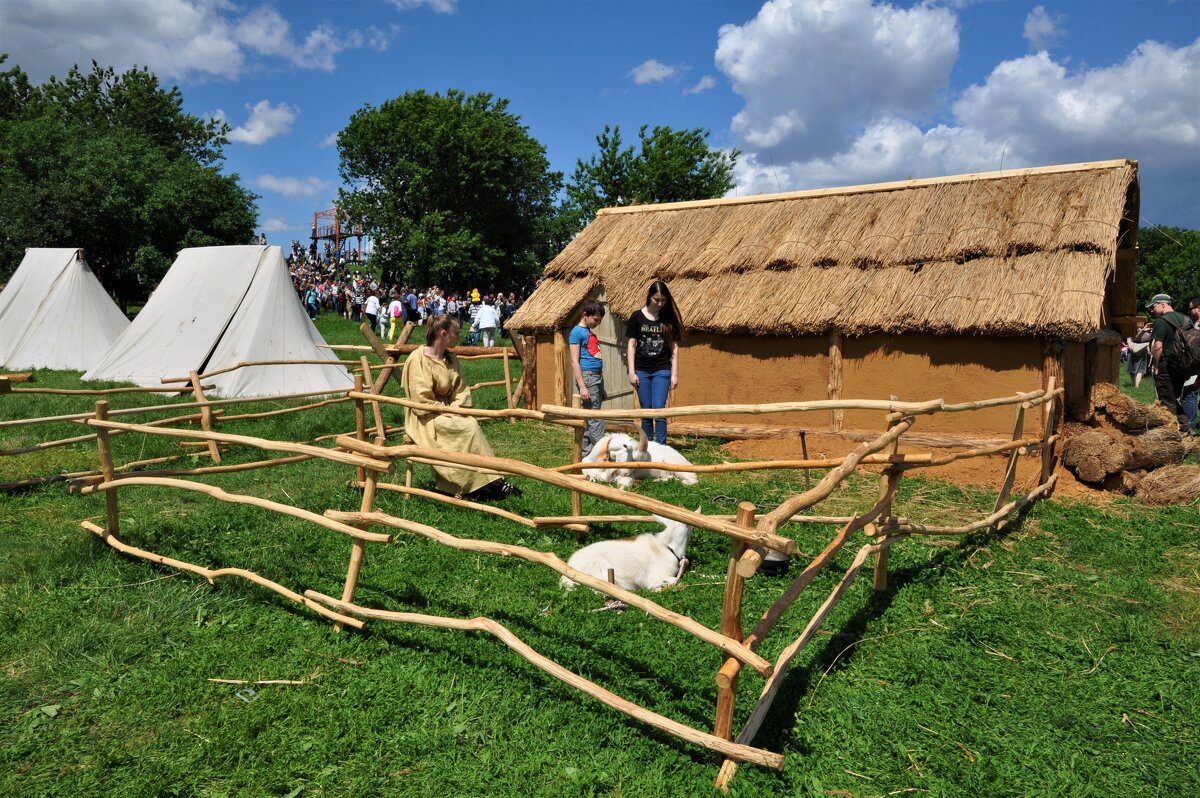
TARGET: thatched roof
(1023,252)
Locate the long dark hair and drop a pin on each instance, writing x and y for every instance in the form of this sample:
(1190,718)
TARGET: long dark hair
(670,316)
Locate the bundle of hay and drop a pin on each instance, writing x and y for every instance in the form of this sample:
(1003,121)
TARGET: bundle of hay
(1171,485)
(1122,441)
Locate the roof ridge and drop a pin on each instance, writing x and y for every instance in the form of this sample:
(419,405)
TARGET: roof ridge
(869,187)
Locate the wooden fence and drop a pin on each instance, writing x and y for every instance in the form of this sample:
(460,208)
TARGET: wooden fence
(750,535)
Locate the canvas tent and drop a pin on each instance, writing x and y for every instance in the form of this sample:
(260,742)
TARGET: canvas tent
(959,287)
(217,307)
(54,313)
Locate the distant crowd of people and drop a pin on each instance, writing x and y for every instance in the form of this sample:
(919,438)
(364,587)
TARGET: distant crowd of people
(338,284)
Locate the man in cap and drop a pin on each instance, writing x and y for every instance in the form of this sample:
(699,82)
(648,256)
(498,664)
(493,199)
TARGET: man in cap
(1168,382)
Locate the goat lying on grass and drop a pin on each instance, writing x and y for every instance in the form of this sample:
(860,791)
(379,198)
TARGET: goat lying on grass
(647,562)
(621,448)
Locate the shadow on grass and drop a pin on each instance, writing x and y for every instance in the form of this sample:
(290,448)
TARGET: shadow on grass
(842,647)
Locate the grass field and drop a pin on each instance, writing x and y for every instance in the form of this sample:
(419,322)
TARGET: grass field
(1059,659)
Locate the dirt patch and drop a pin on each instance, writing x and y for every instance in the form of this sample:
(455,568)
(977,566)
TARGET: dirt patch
(981,471)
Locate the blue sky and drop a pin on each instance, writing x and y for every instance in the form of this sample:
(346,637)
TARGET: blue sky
(840,92)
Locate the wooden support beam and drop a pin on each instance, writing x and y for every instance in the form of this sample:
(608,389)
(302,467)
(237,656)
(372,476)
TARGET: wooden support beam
(837,417)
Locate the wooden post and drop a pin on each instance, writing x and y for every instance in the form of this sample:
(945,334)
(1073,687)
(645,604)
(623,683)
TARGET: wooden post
(885,479)
(380,432)
(560,367)
(1014,457)
(356,547)
(206,415)
(731,623)
(106,468)
(1052,413)
(837,418)
(360,421)
(576,456)
(508,393)
(528,355)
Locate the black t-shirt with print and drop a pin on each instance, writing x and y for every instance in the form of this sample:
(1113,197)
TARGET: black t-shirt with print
(651,352)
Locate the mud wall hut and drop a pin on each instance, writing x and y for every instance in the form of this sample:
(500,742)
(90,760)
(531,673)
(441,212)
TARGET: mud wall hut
(961,287)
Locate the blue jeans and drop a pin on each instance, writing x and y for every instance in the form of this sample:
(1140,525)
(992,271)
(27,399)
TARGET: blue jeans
(1188,403)
(653,387)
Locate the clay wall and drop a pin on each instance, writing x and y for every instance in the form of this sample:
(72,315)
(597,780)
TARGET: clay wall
(728,369)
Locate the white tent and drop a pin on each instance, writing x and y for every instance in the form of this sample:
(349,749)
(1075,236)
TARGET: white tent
(217,307)
(54,313)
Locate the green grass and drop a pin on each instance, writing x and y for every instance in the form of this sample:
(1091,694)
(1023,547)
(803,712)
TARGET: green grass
(1060,659)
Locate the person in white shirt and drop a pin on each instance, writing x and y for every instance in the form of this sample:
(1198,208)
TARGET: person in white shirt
(371,309)
(487,319)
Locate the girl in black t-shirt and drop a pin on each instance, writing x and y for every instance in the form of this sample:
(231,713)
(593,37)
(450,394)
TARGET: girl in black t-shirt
(654,334)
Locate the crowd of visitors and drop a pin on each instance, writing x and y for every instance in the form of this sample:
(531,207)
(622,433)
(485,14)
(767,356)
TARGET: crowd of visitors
(340,284)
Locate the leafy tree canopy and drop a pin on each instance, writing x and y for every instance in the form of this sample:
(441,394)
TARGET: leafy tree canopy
(672,166)
(112,164)
(454,188)
(1169,264)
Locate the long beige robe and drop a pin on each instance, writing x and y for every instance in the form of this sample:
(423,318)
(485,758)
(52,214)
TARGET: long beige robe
(428,379)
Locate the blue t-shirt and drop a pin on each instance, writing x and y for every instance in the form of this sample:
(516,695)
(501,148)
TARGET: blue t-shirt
(589,348)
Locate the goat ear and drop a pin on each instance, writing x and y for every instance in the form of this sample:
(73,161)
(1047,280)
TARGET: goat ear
(604,448)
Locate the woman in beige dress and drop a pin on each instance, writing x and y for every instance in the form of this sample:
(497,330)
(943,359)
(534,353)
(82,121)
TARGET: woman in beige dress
(433,374)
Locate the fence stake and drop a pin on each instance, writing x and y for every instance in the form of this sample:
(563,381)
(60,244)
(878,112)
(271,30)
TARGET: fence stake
(206,415)
(1013,457)
(360,420)
(1048,430)
(576,456)
(508,391)
(106,468)
(379,429)
(886,491)
(356,546)
(731,623)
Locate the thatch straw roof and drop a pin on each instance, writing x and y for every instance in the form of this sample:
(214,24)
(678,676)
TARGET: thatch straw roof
(1011,253)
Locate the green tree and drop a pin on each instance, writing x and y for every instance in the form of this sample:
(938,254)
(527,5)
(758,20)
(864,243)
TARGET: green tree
(672,166)
(1169,263)
(454,188)
(112,164)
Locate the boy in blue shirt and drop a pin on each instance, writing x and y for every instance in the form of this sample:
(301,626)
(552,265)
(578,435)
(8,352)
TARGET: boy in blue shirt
(588,366)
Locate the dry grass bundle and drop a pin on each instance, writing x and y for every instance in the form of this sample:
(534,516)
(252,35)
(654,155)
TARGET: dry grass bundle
(1171,485)
(1133,416)
(1093,454)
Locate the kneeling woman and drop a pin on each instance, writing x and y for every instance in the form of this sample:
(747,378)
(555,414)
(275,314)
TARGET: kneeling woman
(433,374)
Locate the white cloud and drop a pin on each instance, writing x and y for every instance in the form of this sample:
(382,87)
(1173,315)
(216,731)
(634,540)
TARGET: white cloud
(652,72)
(265,123)
(846,129)
(1042,30)
(704,84)
(812,73)
(276,226)
(437,6)
(329,140)
(176,39)
(292,187)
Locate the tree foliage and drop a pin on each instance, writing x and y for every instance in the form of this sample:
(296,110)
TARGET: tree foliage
(112,164)
(1169,264)
(454,188)
(672,166)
